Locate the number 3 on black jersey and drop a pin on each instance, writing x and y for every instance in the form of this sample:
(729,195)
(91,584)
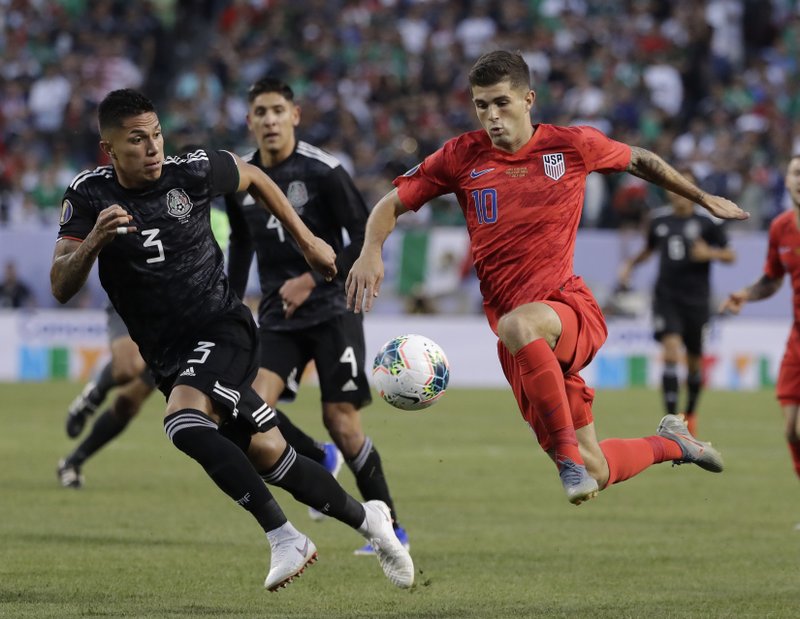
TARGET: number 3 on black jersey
(151,241)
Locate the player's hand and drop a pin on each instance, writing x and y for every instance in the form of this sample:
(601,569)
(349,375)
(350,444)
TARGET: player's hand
(111,222)
(294,292)
(364,283)
(734,303)
(321,257)
(724,208)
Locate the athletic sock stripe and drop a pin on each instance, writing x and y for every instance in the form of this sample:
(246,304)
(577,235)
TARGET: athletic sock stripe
(363,454)
(187,420)
(280,470)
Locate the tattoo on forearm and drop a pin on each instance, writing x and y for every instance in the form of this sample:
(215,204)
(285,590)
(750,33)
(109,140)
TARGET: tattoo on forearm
(70,272)
(654,169)
(763,288)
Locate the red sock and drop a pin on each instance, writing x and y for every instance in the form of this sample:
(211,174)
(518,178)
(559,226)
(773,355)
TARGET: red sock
(543,382)
(794,448)
(629,457)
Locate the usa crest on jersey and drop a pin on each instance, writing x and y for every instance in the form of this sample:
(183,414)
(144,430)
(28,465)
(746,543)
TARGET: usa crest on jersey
(554,166)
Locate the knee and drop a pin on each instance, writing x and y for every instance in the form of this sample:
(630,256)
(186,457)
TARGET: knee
(126,408)
(516,330)
(125,370)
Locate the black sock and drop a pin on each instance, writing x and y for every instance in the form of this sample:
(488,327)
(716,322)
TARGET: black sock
(196,435)
(310,483)
(302,442)
(103,383)
(694,385)
(104,429)
(367,468)
(669,384)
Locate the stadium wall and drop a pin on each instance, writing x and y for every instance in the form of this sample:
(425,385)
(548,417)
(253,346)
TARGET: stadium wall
(742,353)
(598,255)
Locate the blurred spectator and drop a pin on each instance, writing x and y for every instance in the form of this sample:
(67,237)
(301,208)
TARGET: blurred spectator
(14,293)
(381,83)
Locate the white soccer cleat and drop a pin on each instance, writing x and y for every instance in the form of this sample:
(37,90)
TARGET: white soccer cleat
(394,558)
(291,554)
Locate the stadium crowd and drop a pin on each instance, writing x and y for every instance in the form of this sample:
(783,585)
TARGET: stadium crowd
(714,84)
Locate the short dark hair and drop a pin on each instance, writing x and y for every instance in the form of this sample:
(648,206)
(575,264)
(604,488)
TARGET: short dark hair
(494,67)
(121,104)
(270,84)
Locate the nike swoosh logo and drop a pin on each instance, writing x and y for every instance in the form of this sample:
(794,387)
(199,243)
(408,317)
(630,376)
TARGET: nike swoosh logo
(476,173)
(304,549)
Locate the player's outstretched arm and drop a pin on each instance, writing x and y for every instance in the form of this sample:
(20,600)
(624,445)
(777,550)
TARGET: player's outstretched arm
(654,169)
(72,260)
(762,289)
(366,275)
(319,255)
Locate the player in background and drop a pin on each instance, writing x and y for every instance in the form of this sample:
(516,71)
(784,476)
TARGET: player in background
(521,189)
(145,219)
(783,256)
(302,317)
(687,240)
(125,369)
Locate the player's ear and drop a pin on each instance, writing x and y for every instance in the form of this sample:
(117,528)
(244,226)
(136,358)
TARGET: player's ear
(106,147)
(295,115)
(530,98)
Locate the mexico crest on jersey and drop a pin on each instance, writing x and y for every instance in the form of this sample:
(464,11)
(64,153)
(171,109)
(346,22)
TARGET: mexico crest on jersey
(297,194)
(178,204)
(554,165)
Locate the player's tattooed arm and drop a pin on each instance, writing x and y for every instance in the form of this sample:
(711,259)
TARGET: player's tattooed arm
(654,169)
(72,259)
(765,287)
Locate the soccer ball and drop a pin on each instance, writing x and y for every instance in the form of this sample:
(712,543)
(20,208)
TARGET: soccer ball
(410,372)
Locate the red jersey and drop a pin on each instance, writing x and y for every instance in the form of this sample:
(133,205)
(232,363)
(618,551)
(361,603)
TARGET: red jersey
(783,255)
(522,209)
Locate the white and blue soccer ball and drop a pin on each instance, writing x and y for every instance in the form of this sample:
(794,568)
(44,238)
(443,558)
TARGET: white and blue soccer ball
(410,372)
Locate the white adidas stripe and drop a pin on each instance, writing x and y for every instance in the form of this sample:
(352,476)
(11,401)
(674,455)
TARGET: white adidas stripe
(104,171)
(313,152)
(263,414)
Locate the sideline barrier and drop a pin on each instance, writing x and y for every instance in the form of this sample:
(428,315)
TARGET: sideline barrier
(740,353)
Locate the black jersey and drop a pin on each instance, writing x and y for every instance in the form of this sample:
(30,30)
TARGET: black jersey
(325,197)
(167,278)
(679,277)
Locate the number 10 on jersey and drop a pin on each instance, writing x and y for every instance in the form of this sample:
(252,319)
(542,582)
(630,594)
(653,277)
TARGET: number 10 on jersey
(485,201)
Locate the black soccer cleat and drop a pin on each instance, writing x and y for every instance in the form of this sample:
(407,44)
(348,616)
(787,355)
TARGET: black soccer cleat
(82,407)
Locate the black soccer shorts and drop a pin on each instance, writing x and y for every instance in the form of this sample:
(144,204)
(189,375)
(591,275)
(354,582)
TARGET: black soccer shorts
(222,362)
(688,321)
(337,348)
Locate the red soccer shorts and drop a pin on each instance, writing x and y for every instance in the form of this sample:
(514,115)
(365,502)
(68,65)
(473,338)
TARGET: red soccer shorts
(583,331)
(788,388)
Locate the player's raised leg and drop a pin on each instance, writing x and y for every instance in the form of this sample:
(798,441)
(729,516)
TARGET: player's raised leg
(89,399)
(529,333)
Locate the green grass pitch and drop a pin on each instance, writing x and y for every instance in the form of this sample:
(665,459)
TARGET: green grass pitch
(492,534)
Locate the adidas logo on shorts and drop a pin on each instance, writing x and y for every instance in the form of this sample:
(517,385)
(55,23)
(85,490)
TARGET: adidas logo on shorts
(188,372)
